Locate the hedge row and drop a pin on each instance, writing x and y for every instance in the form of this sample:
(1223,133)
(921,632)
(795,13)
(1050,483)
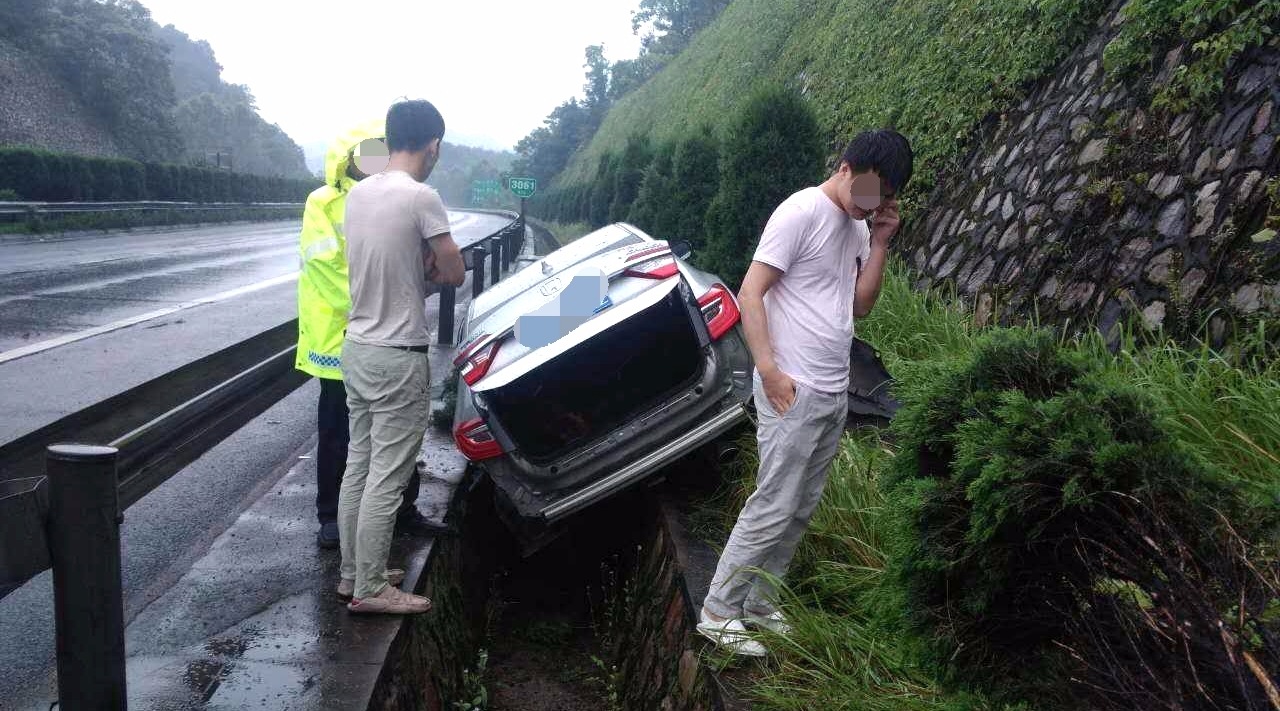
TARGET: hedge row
(36,174)
(716,192)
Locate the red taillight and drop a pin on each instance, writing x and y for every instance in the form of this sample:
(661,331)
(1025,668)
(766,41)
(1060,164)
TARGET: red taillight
(475,441)
(477,364)
(720,310)
(663,267)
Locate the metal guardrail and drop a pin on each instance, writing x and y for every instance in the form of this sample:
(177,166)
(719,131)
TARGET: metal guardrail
(63,488)
(16,211)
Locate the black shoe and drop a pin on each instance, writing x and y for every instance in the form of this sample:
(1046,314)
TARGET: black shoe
(412,521)
(328,535)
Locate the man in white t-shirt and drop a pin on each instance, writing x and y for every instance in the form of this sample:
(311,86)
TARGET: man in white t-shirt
(818,267)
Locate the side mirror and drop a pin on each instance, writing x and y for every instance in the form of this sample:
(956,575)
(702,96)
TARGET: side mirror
(681,248)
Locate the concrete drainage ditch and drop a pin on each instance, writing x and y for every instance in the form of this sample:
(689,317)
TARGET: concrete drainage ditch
(603,618)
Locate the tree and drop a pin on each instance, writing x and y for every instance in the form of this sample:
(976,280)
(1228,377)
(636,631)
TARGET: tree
(108,55)
(652,210)
(602,190)
(695,180)
(631,166)
(773,150)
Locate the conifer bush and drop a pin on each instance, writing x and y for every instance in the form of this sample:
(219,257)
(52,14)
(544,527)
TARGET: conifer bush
(1048,534)
(773,150)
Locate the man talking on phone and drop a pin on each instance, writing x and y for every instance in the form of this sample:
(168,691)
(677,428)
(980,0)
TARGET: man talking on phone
(818,266)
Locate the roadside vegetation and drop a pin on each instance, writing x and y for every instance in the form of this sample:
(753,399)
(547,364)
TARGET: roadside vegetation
(1046,524)
(124,220)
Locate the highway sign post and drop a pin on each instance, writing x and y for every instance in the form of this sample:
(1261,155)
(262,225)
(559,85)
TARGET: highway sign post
(523,188)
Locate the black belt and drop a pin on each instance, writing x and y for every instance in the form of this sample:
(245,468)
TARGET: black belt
(414,349)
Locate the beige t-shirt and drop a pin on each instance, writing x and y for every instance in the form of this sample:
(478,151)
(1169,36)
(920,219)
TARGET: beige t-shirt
(389,218)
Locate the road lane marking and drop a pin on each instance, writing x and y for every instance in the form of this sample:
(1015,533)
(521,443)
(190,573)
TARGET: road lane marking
(42,346)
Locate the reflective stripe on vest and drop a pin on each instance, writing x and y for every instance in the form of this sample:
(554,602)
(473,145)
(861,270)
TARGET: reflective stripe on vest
(324,245)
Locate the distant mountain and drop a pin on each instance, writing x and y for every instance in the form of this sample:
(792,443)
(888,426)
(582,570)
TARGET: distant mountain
(219,122)
(102,78)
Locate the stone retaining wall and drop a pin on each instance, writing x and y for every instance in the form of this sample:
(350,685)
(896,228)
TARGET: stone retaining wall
(1084,205)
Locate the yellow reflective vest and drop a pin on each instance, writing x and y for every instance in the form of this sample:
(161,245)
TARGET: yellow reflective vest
(324,299)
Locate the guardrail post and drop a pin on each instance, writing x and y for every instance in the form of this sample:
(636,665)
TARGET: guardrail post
(448,297)
(508,249)
(477,271)
(84,549)
(496,264)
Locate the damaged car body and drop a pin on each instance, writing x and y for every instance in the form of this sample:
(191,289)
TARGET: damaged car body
(584,373)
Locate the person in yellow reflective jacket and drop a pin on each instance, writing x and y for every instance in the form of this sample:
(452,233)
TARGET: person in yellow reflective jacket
(324,301)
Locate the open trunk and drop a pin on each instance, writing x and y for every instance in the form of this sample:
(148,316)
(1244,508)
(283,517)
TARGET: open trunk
(591,389)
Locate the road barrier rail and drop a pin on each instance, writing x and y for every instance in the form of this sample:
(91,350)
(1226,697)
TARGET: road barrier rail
(65,486)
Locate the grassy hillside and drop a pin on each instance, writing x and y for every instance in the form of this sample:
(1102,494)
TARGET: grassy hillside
(933,69)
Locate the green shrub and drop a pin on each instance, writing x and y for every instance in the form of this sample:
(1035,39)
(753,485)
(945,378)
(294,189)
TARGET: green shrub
(772,151)
(696,179)
(652,210)
(632,162)
(602,189)
(24,171)
(1039,502)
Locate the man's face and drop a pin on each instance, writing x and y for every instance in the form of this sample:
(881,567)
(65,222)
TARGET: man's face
(866,193)
(369,157)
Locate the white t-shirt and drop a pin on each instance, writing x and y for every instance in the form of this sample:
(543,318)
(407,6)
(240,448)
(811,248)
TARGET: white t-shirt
(810,309)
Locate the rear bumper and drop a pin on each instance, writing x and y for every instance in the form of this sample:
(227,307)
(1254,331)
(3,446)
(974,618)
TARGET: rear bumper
(633,472)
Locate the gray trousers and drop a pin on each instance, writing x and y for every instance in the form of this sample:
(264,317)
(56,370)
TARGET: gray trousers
(796,451)
(387,394)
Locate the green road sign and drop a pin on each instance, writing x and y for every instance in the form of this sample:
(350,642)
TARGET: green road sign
(523,187)
(483,190)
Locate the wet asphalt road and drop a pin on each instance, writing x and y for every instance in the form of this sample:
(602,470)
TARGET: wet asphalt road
(68,338)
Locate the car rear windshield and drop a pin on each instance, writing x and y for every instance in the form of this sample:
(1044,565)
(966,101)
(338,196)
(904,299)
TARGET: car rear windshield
(600,384)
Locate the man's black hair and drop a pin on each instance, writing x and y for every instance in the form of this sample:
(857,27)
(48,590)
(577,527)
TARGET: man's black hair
(885,151)
(411,125)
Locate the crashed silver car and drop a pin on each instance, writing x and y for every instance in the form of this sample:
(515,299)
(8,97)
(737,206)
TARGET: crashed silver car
(585,372)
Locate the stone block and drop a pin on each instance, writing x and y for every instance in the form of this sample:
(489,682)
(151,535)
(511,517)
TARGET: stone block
(1262,120)
(1248,298)
(1172,219)
(977,201)
(992,204)
(1093,151)
(1227,160)
(1233,131)
(1076,295)
(1205,208)
(1191,283)
(1244,192)
(1066,202)
(1153,315)
(1131,256)
(1202,163)
(1006,208)
(1049,288)
(1253,79)
(980,275)
(1158,267)
(1261,149)
(1010,238)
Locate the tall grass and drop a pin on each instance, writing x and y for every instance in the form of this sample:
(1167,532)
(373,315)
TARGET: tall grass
(847,649)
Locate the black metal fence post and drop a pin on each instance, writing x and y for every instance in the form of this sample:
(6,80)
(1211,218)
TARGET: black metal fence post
(84,549)
(448,297)
(477,271)
(496,264)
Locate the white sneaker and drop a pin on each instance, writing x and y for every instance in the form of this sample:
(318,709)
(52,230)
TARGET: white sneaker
(774,622)
(730,633)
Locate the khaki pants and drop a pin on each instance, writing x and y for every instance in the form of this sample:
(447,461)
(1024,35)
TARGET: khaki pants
(796,451)
(389,403)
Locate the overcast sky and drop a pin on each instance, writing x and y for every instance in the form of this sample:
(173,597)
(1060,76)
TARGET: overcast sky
(494,68)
